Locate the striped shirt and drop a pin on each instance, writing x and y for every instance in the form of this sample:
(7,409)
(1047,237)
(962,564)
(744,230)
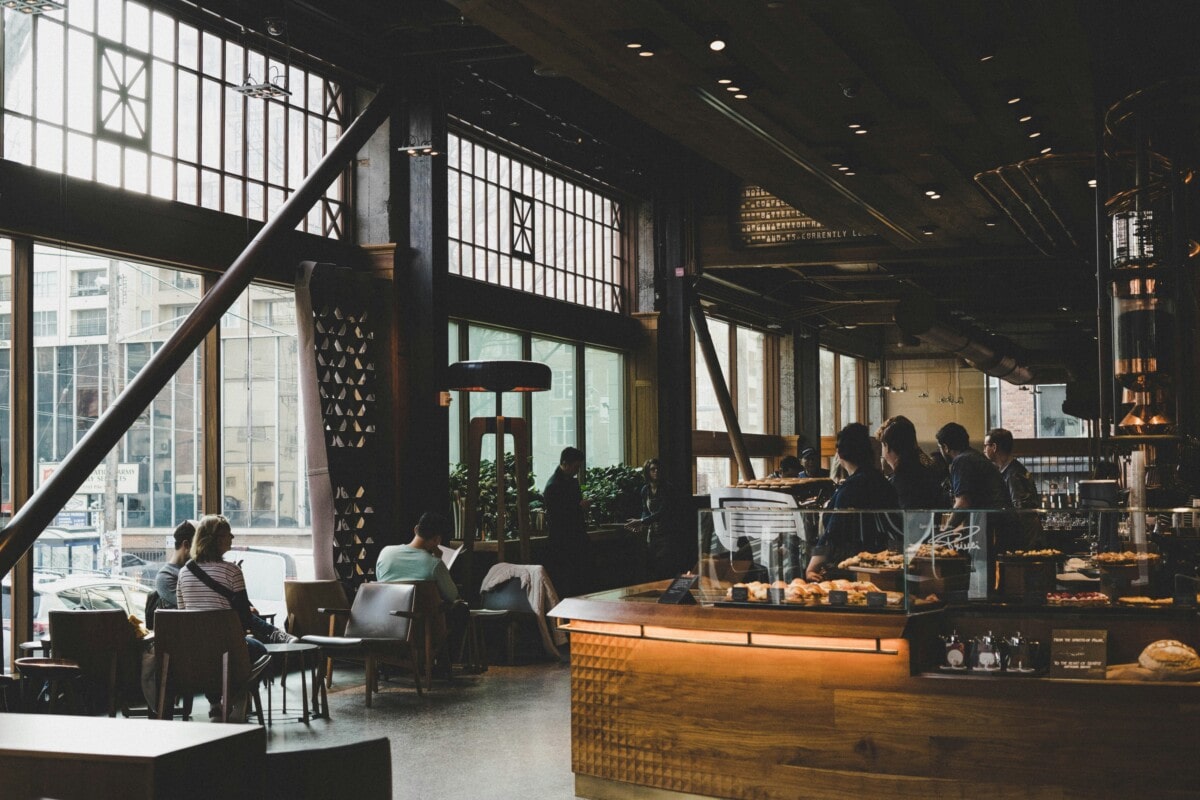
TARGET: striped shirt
(194,595)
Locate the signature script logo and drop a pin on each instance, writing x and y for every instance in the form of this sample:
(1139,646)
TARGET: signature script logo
(965,537)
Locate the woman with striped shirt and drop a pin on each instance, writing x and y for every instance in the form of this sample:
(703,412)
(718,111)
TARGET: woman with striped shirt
(214,538)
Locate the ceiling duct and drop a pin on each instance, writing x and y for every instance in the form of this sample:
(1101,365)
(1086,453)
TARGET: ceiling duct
(992,355)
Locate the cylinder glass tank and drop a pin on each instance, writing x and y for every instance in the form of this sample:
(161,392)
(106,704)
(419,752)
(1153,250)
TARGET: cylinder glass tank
(1144,335)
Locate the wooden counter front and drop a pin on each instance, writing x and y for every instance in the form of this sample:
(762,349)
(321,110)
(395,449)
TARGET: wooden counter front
(713,720)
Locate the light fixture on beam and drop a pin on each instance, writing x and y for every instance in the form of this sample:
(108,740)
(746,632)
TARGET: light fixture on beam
(34,6)
(417,149)
(275,86)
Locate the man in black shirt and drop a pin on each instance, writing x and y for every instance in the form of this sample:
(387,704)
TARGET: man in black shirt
(975,483)
(569,552)
(998,447)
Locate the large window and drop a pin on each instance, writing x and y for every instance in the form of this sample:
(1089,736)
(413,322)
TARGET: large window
(521,226)
(748,360)
(157,477)
(1032,412)
(114,92)
(264,481)
(584,407)
(842,395)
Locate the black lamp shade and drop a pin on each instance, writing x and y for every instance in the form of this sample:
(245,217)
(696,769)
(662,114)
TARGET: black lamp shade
(498,376)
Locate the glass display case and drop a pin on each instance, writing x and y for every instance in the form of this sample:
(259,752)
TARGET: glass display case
(759,551)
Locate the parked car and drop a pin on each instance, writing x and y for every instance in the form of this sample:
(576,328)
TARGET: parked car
(75,591)
(139,569)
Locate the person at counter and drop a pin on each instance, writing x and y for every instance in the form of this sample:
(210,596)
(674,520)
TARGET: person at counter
(916,482)
(810,459)
(864,488)
(1022,491)
(652,522)
(569,551)
(975,483)
(789,467)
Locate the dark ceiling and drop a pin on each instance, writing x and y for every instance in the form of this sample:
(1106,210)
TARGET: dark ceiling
(1009,247)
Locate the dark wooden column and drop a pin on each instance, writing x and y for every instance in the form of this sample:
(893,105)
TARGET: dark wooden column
(807,385)
(418,222)
(675,266)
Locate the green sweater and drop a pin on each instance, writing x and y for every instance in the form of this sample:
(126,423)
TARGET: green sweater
(404,562)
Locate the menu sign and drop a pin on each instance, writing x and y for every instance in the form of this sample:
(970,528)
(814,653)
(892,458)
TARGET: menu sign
(679,593)
(765,220)
(1077,653)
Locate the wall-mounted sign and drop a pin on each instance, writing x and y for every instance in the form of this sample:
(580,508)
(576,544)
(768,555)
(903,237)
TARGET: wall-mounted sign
(764,221)
(127,478)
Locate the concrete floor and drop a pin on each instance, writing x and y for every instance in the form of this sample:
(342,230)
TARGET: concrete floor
(502,735)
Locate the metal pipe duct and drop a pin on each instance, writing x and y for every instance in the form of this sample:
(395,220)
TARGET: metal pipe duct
(28,523)
(917,316)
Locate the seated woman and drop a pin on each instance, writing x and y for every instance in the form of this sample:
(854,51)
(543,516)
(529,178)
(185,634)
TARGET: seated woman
(209,582)
(865,487)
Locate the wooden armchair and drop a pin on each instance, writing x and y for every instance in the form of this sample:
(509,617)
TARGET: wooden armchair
(306,603)
(104,645)
(204,651)
(379,627)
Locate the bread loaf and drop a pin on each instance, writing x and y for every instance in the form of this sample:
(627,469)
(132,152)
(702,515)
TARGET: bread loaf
(1169,655)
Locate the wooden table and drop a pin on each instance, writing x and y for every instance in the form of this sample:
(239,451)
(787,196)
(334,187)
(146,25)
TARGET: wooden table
(71,758)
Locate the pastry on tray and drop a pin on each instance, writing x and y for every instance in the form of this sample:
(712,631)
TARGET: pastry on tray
(1125,559)
(1076,599)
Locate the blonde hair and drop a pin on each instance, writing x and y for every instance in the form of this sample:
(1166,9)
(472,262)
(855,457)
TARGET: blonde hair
(204,544)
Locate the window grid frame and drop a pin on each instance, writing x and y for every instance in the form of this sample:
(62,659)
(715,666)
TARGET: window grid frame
(587,267)
(332,215)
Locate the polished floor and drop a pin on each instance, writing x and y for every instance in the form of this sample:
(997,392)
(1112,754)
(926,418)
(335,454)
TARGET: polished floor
(501,735)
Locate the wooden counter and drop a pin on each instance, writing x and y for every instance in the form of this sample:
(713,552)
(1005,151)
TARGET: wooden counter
(86,758)
(657,712)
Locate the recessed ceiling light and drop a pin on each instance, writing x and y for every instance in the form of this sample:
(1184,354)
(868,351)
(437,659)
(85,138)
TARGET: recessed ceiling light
(991,223)
(861,131)
(1026,118)
(849,172)
(724,81)
(732,89)
(634,44)
(1012,101)
(740,96)
(935,197)
(1064,308)
(928,230)
(853,126)
(835,164)
(930,192)
(646,53)
(716,45)
(843,168)
(1092,183)
(986,57)
(1046,150)
(1035,134)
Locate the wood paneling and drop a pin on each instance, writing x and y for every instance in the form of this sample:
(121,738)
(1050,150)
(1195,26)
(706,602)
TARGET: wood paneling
(739,722)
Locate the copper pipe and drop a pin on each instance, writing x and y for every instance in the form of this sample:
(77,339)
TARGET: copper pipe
(28,523)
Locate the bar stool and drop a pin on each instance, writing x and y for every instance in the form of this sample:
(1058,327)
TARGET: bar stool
(54,675)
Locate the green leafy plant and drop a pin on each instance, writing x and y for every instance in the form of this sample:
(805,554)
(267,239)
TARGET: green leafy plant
(614,492)
(486,519)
